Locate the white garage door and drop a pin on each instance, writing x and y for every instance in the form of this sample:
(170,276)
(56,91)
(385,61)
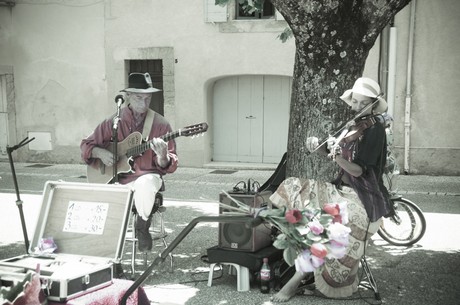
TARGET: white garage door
(251,118)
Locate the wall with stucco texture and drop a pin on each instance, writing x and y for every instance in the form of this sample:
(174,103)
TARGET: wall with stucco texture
(6,32)
(434,107)
(68,61)
(201,52)
(59,74)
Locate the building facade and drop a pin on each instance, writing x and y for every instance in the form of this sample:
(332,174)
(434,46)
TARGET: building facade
(62,62)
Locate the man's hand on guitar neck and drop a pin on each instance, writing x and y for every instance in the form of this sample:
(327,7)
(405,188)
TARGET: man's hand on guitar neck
(103,154)
(160,147)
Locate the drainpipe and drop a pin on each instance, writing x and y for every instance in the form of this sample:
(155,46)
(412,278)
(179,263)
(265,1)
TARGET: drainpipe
(407,112)
(387,66)
(391,70)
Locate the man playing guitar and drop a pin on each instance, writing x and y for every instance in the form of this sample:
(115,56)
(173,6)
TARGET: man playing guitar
(145,170)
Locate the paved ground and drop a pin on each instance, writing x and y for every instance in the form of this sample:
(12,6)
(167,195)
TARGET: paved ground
(427,273)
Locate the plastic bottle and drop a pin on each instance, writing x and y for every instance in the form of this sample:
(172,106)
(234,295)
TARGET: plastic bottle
(265,277)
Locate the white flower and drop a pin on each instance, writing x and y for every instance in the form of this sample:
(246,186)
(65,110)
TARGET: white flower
(343,212)
(339,233)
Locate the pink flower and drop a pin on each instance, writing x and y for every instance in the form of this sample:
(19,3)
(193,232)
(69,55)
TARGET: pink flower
(332,209)
(316,227)
(337,218)
(293,216)
(338,210)
(318,250)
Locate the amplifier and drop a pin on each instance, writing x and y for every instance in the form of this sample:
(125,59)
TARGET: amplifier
(237,236)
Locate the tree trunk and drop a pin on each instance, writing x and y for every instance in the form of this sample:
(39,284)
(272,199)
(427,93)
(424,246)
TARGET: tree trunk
(333,39)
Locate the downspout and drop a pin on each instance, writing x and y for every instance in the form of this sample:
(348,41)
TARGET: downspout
(391,70)
(407,112)
(387,66)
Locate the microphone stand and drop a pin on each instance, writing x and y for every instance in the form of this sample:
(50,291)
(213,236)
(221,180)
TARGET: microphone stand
(18,197)
(119,100)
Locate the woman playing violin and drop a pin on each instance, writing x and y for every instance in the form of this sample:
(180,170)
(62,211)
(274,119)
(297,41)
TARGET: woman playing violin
(362,155)
(360,152)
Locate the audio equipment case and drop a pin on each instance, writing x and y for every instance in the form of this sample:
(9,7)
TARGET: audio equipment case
(88,225)
(236,236)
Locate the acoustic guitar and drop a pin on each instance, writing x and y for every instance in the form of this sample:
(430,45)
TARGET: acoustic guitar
(134,146)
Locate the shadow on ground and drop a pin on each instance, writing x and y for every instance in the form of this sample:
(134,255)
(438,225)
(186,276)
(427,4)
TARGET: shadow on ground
(404,275)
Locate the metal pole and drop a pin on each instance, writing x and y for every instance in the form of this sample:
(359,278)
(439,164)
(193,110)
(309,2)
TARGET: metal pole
(250,222)
(18,197)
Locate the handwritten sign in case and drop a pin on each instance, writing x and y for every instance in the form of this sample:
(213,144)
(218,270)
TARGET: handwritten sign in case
(86,217)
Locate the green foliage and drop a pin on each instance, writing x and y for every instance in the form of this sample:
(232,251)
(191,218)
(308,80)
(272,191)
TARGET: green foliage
(249,6)
(221,2)
(281,242)
(289,255)
(285,35)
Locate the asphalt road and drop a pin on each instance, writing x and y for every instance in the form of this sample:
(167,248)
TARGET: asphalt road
(427,273)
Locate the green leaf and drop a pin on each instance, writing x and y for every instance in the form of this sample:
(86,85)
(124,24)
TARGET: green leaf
(289,255)
(281,244)
(313,237)
(221,2)
(325,220)
(281,236)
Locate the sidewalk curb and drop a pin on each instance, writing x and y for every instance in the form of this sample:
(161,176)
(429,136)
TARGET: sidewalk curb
(427,193)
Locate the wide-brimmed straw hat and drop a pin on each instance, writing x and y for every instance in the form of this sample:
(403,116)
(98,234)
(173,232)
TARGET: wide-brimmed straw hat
(140,83)
(367,87)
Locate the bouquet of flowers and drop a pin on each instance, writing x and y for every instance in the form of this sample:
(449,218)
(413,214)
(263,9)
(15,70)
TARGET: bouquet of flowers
(308,236)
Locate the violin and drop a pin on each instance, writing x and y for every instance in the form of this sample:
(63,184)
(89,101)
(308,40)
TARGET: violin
(351,133)
(357,130)
(348,125)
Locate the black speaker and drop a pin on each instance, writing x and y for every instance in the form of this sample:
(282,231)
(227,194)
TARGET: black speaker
(237,236)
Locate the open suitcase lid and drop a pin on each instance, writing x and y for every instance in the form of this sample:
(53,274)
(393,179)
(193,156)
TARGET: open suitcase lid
(85,219)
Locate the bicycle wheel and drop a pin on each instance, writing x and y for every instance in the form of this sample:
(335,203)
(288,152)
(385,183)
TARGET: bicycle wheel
(406,227)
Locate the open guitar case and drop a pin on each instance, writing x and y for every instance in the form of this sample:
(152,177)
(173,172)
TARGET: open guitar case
(277,177)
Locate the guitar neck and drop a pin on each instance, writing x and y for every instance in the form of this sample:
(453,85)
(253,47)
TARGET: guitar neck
(141,148)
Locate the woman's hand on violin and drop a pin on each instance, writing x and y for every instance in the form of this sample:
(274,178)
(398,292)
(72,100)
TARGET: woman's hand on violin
(335,150)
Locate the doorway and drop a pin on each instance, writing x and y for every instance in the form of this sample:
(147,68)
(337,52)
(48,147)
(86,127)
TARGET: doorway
(251,118)
(155,68)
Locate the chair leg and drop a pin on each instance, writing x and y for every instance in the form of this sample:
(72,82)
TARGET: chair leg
(369,279)
(159,233)
(211,274)
(134,244)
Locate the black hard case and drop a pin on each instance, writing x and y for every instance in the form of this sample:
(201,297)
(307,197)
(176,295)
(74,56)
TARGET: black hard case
(94,238)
